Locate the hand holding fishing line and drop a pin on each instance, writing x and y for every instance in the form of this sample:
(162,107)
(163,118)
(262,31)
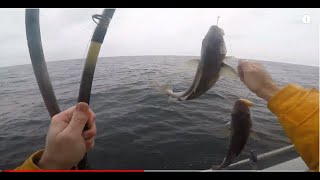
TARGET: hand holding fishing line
(66,144)
(257,79)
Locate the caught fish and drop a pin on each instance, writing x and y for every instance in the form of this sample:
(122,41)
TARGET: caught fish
(210,67)
(240,126)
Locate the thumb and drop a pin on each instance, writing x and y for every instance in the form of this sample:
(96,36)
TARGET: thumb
(79,118)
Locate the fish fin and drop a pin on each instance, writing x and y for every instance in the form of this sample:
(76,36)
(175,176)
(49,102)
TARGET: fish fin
(228,71)
(223,132)
(192,63)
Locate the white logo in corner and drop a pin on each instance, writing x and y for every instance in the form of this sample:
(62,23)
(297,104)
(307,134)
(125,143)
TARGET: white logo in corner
(306,19)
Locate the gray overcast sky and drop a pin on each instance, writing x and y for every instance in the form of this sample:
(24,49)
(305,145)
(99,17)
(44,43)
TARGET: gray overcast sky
(265,34)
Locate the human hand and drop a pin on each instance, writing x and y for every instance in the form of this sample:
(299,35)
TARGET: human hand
(257,79)
(66,144)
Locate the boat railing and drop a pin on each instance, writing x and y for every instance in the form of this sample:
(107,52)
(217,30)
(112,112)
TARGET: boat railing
(254,159)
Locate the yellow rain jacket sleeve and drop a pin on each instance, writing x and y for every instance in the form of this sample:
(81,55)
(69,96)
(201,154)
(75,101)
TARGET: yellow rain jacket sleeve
(298,112)
(30,163)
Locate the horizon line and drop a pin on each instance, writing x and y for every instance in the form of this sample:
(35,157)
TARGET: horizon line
(161,55)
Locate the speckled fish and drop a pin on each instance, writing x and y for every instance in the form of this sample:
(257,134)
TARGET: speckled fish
(209,69)
(240,126)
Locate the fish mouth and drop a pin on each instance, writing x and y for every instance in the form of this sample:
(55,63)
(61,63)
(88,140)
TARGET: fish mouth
(247,102)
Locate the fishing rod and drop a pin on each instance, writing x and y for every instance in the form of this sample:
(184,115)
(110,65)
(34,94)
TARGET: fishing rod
(38,61)
(90,64)
(40,68)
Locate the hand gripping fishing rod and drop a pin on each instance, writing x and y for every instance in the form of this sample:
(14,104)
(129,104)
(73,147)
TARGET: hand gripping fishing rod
(40,67)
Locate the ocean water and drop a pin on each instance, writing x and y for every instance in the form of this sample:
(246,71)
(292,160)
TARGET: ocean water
(137,127)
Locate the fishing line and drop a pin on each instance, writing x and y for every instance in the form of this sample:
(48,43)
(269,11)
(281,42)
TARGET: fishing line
(218,17)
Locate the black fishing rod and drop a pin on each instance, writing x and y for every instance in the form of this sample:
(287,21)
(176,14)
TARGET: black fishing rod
(40,68)
(38,61)
(90,64)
